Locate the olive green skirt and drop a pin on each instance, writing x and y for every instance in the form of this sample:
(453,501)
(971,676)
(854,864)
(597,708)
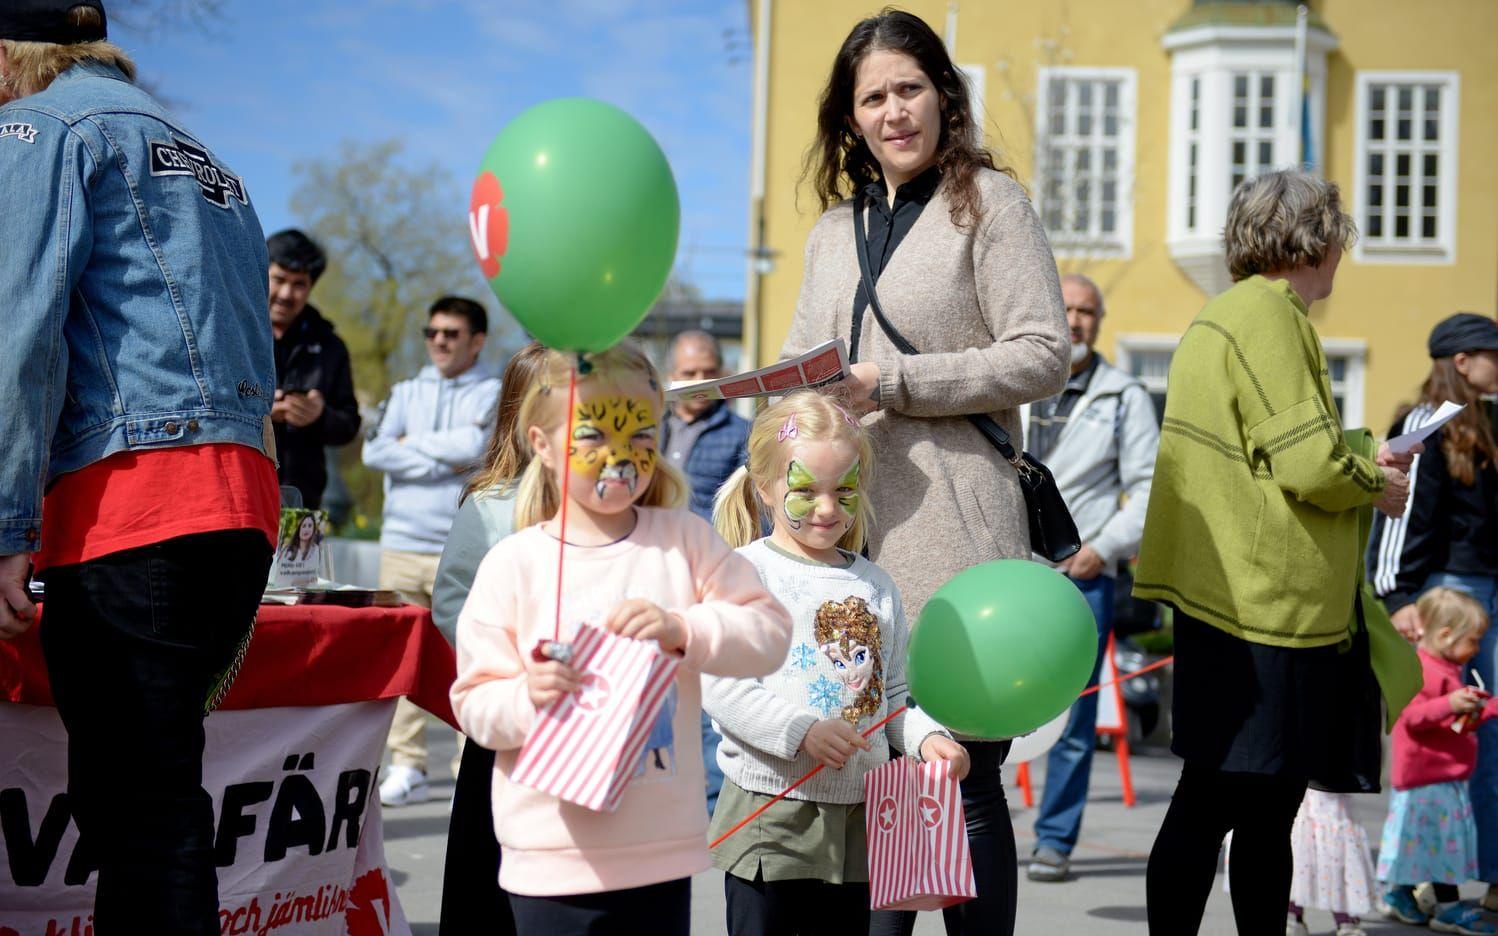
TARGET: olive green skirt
(792,839)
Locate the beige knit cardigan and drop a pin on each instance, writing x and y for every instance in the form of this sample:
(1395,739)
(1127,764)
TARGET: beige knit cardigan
(983,305)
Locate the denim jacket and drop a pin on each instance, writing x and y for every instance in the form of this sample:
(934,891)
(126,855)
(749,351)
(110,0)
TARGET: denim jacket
(133,283)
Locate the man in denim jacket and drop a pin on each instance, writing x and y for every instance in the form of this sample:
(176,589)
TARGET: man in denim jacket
(138,476)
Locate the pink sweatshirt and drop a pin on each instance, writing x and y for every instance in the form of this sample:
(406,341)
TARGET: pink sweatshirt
(735,628)
(1426,750)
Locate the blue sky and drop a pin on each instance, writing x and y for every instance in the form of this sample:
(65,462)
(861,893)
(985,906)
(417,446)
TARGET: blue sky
(277,82)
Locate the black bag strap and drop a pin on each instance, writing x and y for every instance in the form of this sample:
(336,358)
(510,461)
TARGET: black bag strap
(995,433)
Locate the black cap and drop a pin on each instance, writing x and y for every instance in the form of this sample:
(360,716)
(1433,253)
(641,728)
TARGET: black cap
(1464,331)
(47,21)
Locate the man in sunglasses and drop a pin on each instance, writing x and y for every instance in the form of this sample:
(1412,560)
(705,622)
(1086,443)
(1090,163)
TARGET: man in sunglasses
(429,442)
(314,402)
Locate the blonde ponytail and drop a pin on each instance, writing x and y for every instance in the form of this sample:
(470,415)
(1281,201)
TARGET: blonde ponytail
(736,511)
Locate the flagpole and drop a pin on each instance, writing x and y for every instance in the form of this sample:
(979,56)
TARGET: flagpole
(1302,86)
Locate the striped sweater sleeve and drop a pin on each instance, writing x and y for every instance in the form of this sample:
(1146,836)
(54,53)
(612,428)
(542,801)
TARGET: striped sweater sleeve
(1404,552)
(1289,425)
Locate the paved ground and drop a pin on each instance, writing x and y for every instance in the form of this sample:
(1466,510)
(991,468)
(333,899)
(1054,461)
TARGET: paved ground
(1105,898)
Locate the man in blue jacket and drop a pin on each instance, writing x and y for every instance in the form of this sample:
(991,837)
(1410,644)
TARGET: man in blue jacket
(707,441)
(429,442)
(1099,436)
(137,378)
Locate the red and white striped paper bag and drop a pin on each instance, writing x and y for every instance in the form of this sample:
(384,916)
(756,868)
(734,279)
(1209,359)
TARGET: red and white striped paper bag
(918,850)
(586,747)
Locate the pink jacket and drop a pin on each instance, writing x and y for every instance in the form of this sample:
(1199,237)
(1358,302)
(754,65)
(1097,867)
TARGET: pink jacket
(1426,750)
(735,628)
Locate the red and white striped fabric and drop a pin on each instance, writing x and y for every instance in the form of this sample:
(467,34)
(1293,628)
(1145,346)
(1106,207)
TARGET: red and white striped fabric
(586,747)
(918,850)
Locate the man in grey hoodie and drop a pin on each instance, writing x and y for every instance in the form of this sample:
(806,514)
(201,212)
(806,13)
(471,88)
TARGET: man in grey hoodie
(1099,437)
(430,440)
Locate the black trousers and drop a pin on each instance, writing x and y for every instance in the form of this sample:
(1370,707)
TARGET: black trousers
(1259,810)
(795,908)
(134,641)
(472,900)
(990,837)
(657,910)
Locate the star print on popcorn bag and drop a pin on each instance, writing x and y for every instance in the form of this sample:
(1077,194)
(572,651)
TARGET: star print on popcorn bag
(918,847)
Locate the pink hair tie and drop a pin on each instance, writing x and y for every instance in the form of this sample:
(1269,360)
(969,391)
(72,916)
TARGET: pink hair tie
(789,430)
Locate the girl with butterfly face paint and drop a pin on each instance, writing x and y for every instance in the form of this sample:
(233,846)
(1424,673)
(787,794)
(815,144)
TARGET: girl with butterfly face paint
(809,461)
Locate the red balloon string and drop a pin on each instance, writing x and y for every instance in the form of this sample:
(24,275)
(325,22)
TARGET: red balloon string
(818,769)
(812,773)
(556,630)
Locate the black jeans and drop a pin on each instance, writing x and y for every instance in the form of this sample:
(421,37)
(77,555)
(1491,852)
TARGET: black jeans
(990,837)
(472,900)
(795,908)
(134,642)
(657,910)
(1259,810)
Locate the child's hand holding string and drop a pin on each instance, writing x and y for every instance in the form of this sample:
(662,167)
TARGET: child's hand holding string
(549,681)
(942,748)
(643,620)
(831,741)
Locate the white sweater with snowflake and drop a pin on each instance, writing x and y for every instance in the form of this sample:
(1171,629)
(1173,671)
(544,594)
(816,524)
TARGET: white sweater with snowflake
(834,670)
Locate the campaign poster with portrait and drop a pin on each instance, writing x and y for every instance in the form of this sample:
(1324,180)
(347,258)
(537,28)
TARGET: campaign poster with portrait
(302,553)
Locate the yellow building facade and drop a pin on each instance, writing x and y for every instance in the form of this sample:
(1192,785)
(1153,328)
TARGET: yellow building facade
(1130,122)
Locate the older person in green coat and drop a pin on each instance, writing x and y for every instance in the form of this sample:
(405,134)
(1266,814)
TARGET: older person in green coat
(1252,536)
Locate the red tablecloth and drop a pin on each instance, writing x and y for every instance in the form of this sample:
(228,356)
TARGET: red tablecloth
(301,655)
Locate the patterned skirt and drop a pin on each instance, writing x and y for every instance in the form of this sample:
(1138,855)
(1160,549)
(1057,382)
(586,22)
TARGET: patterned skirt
(1430,835)
(1333,867)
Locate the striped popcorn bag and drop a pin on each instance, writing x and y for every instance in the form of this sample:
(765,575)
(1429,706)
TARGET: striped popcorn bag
(918,851)
(586,747)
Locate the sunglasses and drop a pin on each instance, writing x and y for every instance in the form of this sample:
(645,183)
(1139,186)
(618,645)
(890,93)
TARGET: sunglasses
(451,334)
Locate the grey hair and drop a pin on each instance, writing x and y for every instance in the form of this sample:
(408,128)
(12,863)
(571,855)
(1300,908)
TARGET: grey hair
(1085,280)
(1284,220)
(695,334)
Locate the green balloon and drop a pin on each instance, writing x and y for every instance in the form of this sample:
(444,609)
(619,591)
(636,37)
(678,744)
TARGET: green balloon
(1001,649)
(574,218)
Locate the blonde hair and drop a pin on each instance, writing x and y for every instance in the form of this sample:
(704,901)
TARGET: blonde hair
(508,451)
(1448,608)
(737,510)
(32,66)
(1284,220)
(538,498)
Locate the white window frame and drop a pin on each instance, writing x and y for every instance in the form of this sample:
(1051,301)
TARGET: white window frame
(1413,250)
(977,80)
(1353,350)
(1093,244)
(1129,344)
(1253,135)
(1208,56)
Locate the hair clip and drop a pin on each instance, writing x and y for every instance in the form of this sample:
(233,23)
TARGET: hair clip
(847,416)
(789,430)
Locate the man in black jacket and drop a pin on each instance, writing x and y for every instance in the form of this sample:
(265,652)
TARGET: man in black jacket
(314,405)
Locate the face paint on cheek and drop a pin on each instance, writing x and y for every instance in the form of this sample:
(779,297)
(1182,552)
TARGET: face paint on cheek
(614,423)
(849,499)
(798,505)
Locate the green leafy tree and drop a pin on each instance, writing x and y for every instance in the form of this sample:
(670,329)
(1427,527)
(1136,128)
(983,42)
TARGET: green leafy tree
(396,237)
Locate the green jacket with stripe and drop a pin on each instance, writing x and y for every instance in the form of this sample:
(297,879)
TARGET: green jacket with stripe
(1253,519)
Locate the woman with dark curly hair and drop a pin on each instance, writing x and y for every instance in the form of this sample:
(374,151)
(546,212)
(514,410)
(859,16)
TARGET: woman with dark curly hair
(964,273)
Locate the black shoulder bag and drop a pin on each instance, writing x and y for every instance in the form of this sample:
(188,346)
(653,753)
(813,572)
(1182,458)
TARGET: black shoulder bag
(1053,533)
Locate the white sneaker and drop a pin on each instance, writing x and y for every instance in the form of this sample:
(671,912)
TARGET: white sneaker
(1294,927)
(404,786)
